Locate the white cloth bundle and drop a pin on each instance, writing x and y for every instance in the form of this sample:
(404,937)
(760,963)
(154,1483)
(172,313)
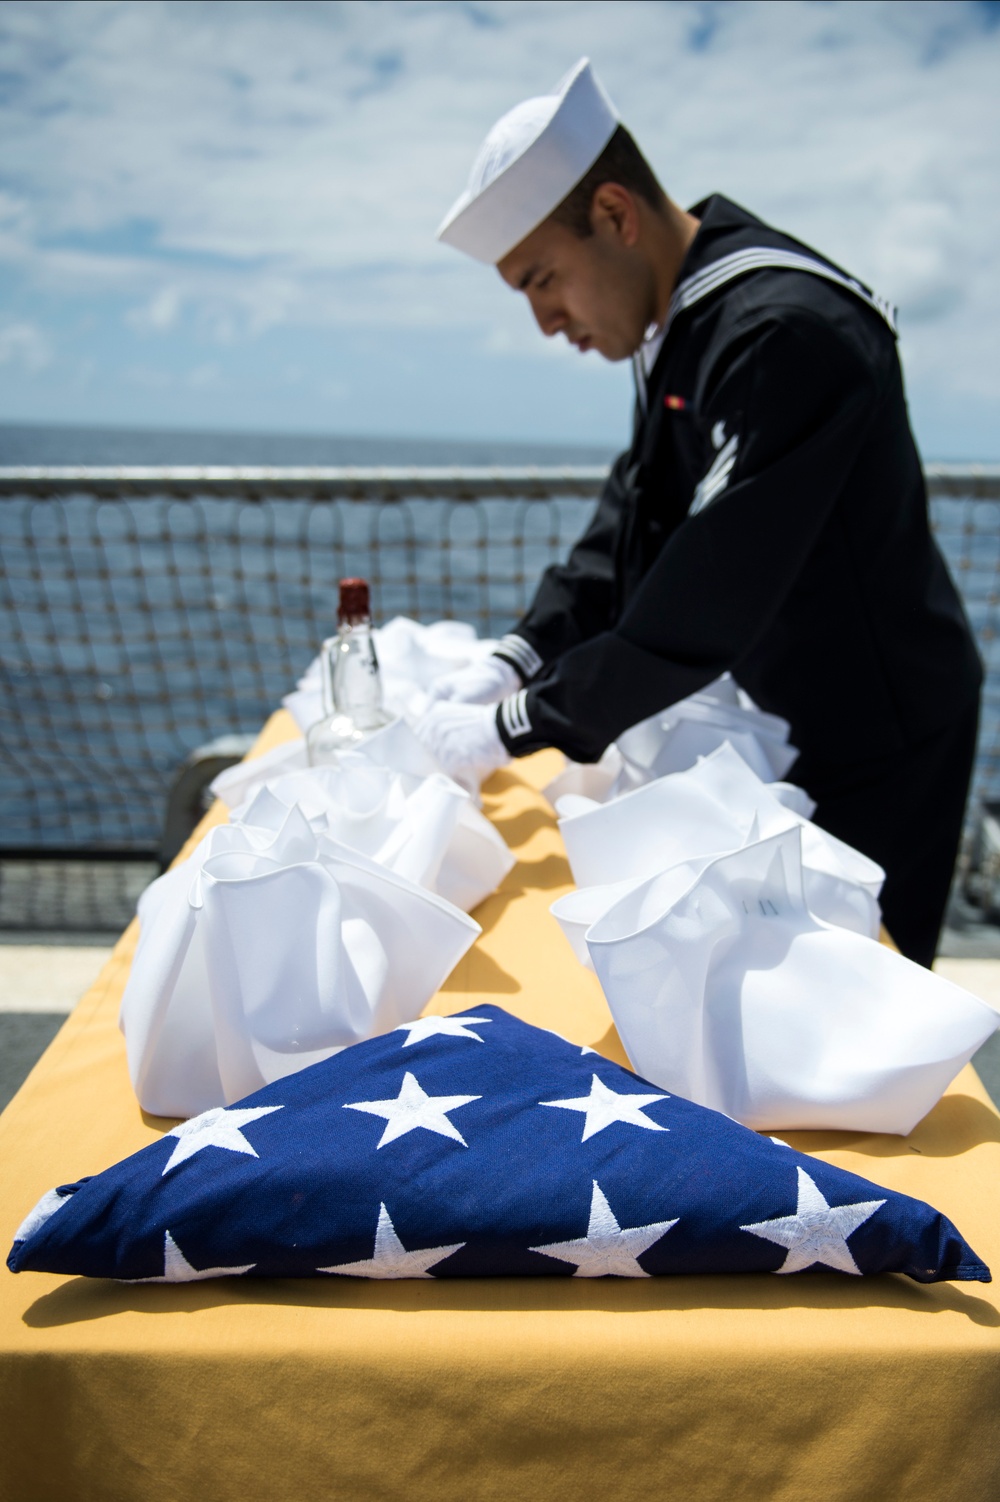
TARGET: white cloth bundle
(427,830)
(269,949)
(237,784)
(387,801)
(674,739)
(394,746)
(717,805)
(726,989)
(410,657)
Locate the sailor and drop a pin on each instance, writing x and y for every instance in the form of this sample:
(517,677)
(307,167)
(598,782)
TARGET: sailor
(769,517)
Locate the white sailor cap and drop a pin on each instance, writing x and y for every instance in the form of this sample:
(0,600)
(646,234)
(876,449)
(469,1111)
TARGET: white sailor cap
(528,163)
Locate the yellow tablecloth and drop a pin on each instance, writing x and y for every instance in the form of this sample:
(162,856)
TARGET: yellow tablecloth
(813,1387)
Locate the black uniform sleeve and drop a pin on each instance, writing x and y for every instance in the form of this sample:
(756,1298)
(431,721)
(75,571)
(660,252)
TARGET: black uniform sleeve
(788,411)
(577,599)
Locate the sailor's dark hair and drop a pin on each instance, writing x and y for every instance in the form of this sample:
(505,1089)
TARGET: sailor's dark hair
(620,162)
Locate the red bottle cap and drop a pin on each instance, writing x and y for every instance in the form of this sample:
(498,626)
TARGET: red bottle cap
(354,603)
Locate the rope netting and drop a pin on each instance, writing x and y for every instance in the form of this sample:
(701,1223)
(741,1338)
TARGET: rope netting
(141,621)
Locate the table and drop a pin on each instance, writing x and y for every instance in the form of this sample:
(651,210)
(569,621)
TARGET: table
(705,1389)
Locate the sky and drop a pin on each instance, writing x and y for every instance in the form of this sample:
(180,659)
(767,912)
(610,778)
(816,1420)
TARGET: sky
(222,215)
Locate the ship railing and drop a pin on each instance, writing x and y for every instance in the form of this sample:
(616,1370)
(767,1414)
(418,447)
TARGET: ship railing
(145,612)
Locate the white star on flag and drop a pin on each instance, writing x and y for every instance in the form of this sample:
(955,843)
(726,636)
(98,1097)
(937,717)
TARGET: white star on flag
(177,1269)
(215,1128)
(607,1250)
(391,1259)
(50,1202)
(448,1027)
(563,1039)
(604,1106)
(817,1232)
(414,1108)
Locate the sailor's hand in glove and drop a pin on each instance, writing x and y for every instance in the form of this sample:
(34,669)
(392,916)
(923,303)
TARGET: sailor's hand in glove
(465,741)
(485,682)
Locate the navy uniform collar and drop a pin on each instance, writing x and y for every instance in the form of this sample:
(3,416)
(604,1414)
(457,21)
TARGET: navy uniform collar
(731,243)
(719,220)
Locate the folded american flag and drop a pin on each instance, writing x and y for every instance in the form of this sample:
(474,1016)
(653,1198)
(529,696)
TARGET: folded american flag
(476,1146)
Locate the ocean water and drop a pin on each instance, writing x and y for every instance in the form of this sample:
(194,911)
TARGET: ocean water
(134,631)
(50,445)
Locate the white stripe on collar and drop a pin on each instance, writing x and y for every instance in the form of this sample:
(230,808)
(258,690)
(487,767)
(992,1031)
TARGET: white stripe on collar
(740,263)
(759,258)
(646,357)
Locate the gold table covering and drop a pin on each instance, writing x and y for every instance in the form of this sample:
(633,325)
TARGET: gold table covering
(712,1389)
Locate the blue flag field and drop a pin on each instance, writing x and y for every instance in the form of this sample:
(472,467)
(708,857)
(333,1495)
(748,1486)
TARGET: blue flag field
(476,1146)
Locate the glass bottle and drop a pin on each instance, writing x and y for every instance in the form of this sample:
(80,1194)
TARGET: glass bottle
(352,688)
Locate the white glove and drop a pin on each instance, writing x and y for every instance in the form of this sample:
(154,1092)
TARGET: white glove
(485,682)
(465,741)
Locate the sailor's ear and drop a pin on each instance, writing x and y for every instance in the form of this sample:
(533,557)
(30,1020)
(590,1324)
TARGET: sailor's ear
(615,208)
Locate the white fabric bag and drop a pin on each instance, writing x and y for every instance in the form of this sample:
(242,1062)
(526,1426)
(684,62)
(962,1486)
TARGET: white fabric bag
(236,784)
(425,829)
(675,738)
(715,806)
(389,800)
(267,951)
(726,989)
(393,745)
(578,911)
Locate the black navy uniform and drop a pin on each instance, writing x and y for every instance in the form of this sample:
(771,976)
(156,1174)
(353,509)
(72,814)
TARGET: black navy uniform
(770,518)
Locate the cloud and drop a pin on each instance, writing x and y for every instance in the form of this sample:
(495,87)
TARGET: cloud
(160,312)
(205,377)
(24,345)
(234,169)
